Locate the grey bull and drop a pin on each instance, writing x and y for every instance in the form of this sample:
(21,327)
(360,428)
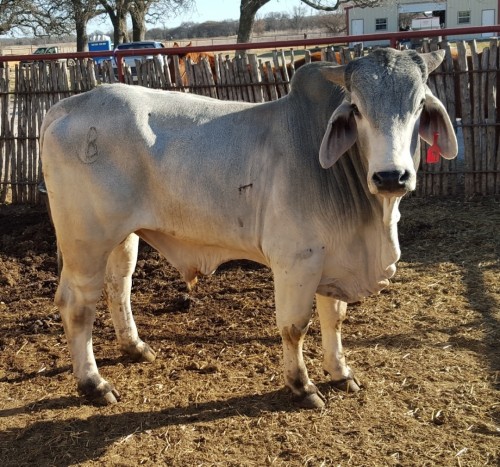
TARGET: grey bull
(308,185)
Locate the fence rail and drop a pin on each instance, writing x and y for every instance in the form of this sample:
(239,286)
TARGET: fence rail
(466,83)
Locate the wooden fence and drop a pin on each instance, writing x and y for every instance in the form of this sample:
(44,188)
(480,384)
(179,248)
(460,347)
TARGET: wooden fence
(466,83)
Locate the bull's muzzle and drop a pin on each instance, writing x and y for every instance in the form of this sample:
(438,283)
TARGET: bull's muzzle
(393,182)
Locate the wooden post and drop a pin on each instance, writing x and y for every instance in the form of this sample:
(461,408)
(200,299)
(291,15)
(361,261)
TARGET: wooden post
(451,108)
(465,99)
(277,72)
(256,78)
(476,117)
(491,94)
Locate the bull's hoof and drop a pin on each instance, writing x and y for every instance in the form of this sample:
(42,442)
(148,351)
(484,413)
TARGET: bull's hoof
(101,393)
(140,352)
(351,384)
(111,397)
(310,399)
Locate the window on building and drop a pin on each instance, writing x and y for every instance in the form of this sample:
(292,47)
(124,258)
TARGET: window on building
(381,24)
(464,17)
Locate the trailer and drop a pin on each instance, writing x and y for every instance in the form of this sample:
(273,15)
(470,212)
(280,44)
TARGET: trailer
(99,43)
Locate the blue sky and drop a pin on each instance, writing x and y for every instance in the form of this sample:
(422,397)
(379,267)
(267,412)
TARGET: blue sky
(212,10)
(218,10)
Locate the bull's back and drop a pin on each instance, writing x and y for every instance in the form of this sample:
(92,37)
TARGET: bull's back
(136,118)
(155,160)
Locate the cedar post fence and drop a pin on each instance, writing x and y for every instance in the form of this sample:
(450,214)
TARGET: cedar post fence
(466,83)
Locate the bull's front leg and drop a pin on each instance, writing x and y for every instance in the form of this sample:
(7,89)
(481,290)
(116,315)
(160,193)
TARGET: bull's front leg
(294,292)
(331,314)
(120,267)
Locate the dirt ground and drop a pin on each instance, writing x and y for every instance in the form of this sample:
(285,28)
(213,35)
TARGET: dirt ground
(426,349)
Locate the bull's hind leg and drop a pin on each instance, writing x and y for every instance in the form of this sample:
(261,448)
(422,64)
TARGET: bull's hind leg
(80,287)
(120,267)
(294,300)
(331,314)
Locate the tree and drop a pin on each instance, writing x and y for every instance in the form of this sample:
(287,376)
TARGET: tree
(333,22)
(77,15)
(249,8)
(275,21)
(49,17)
(298,18)
(82,12)
(325,5)
(142,11)
(37,17)
(9,13)
(117,11)
(14,14)
(138,10)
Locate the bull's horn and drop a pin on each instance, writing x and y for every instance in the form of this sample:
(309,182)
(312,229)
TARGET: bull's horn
(433,59)
(335,74)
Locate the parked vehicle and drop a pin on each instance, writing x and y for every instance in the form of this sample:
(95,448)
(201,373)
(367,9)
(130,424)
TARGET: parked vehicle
(46,49)
(99,43)
(130,60)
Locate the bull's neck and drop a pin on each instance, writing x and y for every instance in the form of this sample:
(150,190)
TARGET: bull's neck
(356,210)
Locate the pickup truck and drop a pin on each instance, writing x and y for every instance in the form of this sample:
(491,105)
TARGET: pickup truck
(130,60)
(46,49)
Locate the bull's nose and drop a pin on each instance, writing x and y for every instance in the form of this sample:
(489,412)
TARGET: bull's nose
(392,181)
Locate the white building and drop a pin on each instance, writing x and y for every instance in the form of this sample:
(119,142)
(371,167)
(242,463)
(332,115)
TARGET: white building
(451,13)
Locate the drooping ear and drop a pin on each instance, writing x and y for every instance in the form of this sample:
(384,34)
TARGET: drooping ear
(340,135)
(435,119)
(433,59)
(335,74)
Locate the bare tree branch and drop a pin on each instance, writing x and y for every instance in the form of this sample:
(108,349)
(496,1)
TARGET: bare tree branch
(143,11)
(323,5)
(249,8)
(16,14)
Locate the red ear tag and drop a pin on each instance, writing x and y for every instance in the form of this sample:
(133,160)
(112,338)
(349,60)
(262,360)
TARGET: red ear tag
(434,151)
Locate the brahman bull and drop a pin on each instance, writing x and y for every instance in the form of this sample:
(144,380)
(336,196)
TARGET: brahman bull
(205,181)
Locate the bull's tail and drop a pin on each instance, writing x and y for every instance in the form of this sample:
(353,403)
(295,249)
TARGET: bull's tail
(59,262)
(43,191)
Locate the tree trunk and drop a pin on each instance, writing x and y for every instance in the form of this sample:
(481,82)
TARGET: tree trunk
(119,22)
(138,24)
(248,10)
(117,13)
(81,36)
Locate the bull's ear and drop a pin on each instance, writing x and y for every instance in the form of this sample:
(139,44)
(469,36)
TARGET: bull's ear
(335,74)
(435,119)
(340,135)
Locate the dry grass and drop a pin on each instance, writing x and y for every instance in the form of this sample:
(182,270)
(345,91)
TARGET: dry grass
(426,350)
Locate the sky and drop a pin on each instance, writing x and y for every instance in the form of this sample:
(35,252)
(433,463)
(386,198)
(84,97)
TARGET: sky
(214,10)
(218,10)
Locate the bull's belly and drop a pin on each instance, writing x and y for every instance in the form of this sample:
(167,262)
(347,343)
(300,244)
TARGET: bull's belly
(195,256)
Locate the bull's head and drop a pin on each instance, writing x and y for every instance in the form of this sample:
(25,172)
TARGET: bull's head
(387,106)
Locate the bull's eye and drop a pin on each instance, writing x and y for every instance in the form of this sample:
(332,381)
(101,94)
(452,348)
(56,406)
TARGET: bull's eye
(421,106)
(355,110)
